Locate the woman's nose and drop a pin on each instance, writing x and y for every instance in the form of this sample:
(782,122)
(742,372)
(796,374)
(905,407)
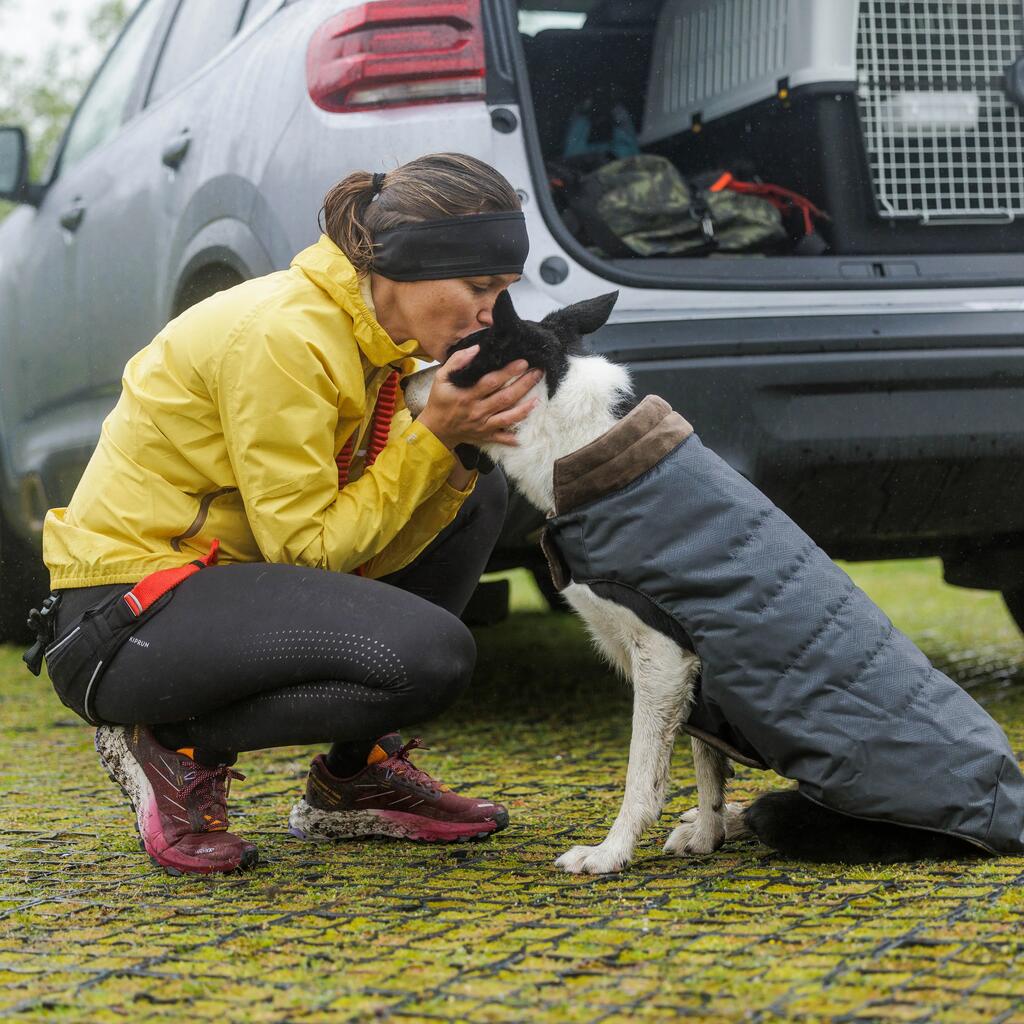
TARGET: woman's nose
(485,315)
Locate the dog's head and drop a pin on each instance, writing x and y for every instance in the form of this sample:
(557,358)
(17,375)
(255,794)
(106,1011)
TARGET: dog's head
(578,393)
(545,346)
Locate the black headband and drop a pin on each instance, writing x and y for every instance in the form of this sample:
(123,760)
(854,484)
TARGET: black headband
(470,246)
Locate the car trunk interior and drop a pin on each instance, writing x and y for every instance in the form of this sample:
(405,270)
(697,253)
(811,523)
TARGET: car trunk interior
(914,153)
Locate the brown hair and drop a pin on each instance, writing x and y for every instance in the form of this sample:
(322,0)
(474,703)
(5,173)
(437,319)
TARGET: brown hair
(427,188)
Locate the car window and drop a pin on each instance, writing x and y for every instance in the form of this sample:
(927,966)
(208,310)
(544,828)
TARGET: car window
(255,7)
(200,31)
(102,111)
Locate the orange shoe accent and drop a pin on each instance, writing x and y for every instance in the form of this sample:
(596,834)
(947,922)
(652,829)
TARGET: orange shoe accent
(189,752)
(376,755)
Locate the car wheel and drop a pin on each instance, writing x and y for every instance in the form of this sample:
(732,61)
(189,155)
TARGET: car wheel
(1015,603)
(23,585)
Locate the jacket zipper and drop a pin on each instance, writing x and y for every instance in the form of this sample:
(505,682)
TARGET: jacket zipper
(201,516)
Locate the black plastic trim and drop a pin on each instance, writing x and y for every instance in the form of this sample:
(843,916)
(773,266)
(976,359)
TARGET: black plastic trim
(840,273)
(825,334)
(499,53)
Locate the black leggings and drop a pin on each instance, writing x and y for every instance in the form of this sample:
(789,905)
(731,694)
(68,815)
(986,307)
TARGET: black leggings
(257,655)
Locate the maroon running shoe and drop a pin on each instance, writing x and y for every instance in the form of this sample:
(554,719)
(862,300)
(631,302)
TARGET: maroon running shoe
(390,797)
(180,805)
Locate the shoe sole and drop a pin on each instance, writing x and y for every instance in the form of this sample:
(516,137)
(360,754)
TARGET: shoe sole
(312,824)
(113,750)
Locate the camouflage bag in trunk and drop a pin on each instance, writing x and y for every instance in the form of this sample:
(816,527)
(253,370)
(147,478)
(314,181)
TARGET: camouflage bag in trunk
(642,206)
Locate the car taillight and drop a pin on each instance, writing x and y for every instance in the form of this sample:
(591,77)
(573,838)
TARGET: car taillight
(397,52)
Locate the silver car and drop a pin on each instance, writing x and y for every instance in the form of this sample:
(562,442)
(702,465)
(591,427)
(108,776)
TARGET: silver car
(867,374)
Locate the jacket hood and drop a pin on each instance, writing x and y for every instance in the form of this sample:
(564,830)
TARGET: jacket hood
(329,268)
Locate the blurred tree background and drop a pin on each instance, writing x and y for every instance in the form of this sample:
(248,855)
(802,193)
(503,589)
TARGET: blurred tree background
(40,95)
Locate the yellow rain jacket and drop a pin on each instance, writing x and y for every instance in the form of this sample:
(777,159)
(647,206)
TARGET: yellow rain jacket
(228,425)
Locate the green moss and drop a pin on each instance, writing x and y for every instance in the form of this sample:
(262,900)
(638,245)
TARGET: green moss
(90,931)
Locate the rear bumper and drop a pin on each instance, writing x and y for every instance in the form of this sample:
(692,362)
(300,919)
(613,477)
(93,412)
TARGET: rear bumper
(898,435)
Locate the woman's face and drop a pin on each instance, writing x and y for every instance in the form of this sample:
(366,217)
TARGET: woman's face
(438,314)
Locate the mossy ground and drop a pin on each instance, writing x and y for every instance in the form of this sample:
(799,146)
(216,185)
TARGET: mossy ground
(90,931)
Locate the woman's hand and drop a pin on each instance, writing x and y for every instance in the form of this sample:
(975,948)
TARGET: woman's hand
(484,413)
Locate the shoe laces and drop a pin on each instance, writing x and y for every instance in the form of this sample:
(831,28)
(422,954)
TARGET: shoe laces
(212,785)
(399,764)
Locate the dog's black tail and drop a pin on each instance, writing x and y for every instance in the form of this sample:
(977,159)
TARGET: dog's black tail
(803,830)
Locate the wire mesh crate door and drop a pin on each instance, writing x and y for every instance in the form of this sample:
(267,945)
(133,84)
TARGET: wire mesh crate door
(942,138)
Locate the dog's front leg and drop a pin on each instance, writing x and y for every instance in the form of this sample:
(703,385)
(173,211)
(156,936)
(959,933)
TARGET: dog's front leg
(663,678)
(712,822)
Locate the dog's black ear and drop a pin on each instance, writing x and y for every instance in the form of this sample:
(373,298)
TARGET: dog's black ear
(504,314)
(581,318)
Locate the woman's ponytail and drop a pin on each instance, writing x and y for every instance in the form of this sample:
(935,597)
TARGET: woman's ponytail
(343,218)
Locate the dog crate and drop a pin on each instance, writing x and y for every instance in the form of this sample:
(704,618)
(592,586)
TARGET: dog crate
(712,58)
(892,115)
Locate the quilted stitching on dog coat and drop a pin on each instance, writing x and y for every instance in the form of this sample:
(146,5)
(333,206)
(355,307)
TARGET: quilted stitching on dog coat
(799,666)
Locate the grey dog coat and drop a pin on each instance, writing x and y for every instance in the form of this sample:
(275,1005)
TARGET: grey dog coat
(800,671)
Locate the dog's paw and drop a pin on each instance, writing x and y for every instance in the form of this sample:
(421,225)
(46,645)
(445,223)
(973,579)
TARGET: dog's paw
(593,860)
(696,837)
(735,827)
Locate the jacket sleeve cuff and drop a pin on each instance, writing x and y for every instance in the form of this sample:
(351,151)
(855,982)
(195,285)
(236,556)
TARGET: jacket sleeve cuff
(422,438)
(455,494)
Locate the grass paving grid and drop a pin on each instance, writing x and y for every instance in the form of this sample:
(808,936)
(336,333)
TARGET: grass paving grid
(90,931)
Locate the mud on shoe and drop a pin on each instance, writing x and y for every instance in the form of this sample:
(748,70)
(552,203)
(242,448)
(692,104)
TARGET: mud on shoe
(390,797)
(180,805)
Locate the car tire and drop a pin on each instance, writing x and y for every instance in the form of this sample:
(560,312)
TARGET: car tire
(23,585)
(1015,603)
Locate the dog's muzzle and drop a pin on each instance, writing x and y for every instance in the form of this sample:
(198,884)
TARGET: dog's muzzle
(416,389)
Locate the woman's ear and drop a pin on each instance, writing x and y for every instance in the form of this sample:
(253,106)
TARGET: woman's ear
(581,318)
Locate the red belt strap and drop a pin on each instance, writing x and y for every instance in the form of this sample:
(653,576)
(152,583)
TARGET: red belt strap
(156,584)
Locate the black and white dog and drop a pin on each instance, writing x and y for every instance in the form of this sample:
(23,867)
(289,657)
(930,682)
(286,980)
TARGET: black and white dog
(582,398)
